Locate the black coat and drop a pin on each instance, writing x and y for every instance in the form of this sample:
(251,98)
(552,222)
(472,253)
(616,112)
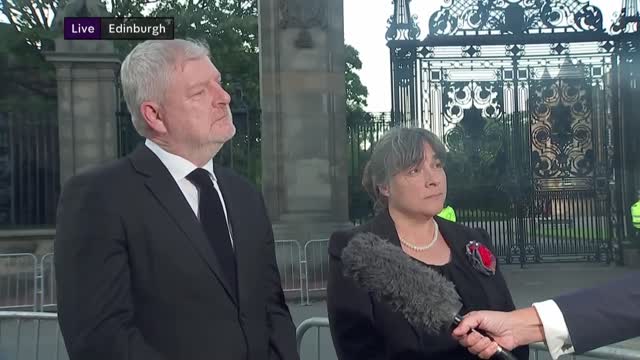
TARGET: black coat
(363,328)
(138,280)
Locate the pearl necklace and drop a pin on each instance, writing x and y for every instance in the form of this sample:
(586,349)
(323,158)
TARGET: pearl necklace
(429,245)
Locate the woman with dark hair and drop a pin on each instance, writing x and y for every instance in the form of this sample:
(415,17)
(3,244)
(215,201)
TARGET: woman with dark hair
(406,178)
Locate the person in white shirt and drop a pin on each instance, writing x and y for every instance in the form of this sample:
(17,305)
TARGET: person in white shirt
(573,323)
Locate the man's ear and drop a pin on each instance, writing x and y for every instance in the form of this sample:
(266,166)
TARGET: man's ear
(153,117)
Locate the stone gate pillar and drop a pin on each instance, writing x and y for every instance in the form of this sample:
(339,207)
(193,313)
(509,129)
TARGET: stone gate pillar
(86,73)
(303,100)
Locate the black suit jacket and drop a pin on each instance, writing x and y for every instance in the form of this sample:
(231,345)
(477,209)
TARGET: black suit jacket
(138,280)
(602,315)
(363,328)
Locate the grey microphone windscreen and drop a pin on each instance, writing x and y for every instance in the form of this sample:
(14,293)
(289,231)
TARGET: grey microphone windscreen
(426,299)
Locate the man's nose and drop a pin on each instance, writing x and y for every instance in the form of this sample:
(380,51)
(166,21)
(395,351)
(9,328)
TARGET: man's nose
(224,97)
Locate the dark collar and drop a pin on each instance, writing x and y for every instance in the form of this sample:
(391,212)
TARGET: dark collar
(455,235)
(145,162)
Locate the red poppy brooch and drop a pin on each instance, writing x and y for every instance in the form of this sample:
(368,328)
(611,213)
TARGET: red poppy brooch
(481,258)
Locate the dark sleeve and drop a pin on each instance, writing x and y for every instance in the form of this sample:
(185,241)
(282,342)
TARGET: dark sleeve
(95,307)
(350,311)
(521,352)
(282,336)
(602,315)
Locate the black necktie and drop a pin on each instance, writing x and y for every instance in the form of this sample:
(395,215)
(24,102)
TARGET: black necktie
(215,224)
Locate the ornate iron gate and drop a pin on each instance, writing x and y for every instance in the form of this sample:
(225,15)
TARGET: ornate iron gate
(523,93)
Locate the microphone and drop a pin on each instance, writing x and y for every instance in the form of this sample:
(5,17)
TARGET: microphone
(425,298)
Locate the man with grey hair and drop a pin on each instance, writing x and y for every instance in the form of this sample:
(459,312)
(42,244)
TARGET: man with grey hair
(163,255)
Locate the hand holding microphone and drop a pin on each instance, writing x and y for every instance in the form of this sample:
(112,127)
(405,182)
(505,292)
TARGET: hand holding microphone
(427,300)
(508,329)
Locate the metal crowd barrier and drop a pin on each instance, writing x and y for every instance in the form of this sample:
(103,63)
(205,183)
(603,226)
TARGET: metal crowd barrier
(36,335)
(538,349)
(316,265)
(289,259)
(18,282)
(606,352)
(47,283)
(30,335)
(301,330)
(29,284)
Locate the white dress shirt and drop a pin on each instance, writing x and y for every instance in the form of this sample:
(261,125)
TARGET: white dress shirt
(179,168)
(556,333)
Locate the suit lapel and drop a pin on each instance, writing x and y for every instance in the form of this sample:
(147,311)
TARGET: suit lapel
(457,238)
(163,187)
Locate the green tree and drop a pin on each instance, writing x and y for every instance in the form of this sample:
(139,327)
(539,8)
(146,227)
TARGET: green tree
(359,123)
(34,18)
(230,27)
(27,78)
(356,91)
(28,81)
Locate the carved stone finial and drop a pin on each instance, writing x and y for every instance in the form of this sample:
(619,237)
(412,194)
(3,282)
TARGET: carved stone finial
(80,8)
(304,15)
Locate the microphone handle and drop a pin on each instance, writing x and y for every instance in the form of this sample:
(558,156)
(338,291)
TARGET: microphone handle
(502,354)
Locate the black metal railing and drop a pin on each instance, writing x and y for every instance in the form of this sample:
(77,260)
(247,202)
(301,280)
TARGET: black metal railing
(363,131)
(128,137)
(570,224)
(243,152)
(29,169)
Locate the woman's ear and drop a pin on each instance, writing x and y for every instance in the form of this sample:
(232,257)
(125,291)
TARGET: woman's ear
(384,190)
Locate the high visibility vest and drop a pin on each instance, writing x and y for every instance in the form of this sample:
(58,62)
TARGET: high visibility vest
(448,213)
(635,214)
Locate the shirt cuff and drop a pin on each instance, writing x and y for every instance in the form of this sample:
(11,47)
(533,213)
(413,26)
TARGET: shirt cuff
(556,333)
